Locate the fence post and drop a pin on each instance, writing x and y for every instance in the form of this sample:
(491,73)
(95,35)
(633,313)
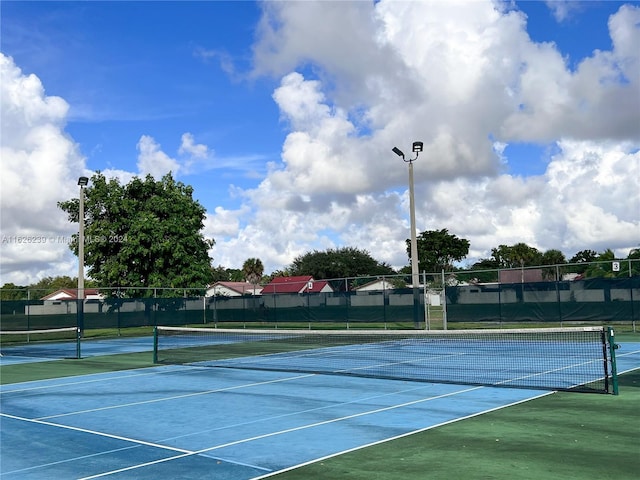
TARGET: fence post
(427,302)
(444,303)
(28,309)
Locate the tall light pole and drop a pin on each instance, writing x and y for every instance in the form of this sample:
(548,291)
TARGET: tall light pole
(415,276)
(82,181)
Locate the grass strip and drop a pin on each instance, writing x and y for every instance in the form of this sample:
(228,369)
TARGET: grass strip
(563,436)
(25,372)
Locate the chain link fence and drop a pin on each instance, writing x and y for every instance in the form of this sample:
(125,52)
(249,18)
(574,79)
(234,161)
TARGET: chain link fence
(550,295)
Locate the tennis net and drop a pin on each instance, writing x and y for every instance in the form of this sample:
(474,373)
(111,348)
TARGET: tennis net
(48,343)
(577,359)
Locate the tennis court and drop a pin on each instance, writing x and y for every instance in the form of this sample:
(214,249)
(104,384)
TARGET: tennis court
(193,421)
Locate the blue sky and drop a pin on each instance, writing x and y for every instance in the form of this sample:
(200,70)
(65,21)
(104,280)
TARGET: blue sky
(276,119)
(133,68)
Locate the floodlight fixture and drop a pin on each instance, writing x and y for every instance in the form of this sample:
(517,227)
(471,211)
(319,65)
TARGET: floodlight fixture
(398,152)
(83,181)
(417,147)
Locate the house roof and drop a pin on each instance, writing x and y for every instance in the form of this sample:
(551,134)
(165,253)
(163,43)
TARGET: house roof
(71,294)
(297,284)
(239,287)
(379,284)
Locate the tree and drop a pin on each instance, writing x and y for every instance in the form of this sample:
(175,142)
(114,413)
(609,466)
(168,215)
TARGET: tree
(219,274)
(146,233)
(235,275)
(516,256)
(253,270)
(11,291)
(553,257)
(339,263)
(584,256)
(486,264)
(278,273)
(602,265)
(49,285)
(631,268)
(438,249)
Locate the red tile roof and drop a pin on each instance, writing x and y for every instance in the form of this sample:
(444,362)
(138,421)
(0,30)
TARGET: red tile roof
(298,284)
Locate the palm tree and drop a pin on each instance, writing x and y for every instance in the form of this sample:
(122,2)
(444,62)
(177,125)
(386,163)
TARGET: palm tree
(253,270)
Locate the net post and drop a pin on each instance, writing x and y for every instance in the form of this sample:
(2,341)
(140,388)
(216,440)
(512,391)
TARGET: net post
(612,352)
(155,344)
(78,337)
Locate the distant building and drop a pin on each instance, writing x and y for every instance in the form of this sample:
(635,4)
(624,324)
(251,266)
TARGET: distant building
(299,284)
(64,301)
(376,285)
(72,294)
(233,289)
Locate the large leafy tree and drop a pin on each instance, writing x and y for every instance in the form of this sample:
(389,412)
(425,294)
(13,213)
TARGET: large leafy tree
(338,263)
(146,233)
(438,249)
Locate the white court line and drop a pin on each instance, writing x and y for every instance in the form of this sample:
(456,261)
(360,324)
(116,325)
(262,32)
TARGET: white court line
(101,434)
(190,453)
(175,397)
(625,354)
(85,381)
(280,432)
(293,467)
(356,401)
(430,427)
(71,460)
(104,377)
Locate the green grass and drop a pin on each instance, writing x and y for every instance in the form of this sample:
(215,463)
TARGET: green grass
(24,372)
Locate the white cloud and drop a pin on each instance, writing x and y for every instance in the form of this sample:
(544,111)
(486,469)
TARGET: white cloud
(152,160)
(40,167)
(465,78)
(41,164)
(563,9)
(598,101)
(356,79)
(189,147)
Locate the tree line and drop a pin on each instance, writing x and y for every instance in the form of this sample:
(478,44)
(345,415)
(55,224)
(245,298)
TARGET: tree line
(148,234)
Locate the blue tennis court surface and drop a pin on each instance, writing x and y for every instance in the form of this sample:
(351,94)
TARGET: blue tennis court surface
(89,348)
(198,422)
